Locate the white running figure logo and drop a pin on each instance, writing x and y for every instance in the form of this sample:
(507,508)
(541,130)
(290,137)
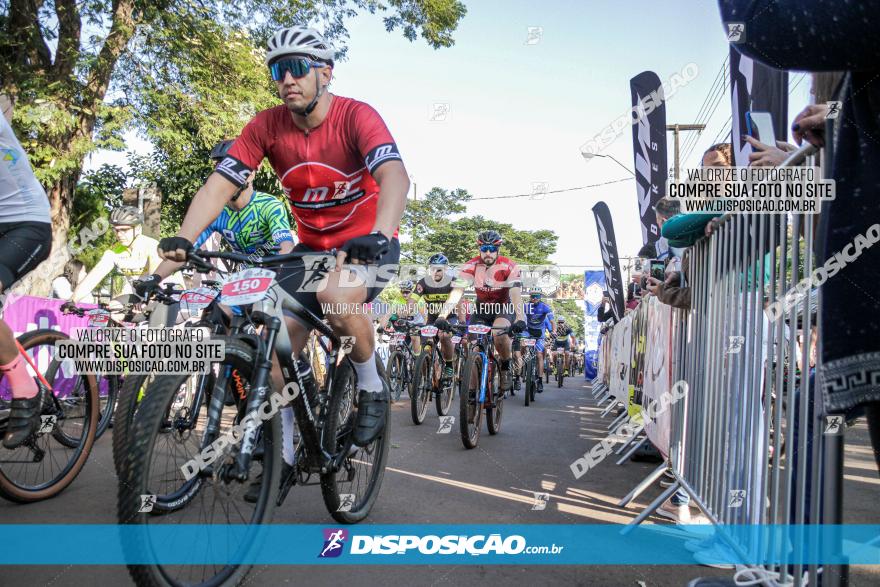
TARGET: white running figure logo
(335,542)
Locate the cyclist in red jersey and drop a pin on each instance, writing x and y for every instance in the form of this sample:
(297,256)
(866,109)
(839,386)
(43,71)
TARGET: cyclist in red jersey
(498,286)
(341,170)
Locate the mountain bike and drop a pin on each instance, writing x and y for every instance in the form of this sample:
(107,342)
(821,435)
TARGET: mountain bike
(108,385)
(401,362)
(459,347)
(479,386)
(161,310)
(203,444)
(427,381)
(530,368)
(38,469)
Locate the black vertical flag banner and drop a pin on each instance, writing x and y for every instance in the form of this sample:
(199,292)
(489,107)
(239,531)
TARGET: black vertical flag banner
(757,87)
(649,148)
(608,245)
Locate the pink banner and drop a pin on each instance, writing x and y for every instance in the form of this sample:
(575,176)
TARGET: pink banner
(28,313)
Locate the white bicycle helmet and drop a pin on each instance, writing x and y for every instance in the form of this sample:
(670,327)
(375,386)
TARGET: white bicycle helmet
(297,40)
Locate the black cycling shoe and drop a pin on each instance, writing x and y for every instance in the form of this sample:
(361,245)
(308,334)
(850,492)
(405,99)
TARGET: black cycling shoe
(24,420)
(540,386)
(371,416)
(253,492)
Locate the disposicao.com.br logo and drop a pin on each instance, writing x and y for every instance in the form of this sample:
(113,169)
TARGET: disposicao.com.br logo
(476,545)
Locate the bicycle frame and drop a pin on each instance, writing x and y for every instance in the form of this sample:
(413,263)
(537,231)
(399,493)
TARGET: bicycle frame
(269,313)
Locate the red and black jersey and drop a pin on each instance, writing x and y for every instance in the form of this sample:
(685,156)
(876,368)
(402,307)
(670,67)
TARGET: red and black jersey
(492,284)
(326,172)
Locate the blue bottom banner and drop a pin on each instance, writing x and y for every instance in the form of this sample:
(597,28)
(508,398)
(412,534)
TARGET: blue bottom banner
(585,544)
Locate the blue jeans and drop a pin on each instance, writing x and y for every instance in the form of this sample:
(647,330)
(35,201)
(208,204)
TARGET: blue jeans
(681,497)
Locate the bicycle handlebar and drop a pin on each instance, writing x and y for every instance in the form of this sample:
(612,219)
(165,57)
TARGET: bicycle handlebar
(199,262)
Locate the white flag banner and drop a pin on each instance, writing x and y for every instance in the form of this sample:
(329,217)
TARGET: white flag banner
(658,371)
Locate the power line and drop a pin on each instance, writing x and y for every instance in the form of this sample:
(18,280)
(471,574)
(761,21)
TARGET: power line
(720,81)
(541,194)
(717,99)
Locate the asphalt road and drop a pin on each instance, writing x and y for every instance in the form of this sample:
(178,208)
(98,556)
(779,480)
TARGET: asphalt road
(431,478)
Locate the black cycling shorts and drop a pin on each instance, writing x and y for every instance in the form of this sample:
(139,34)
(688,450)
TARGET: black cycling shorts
(23,246)
(489,319)
(561,344)
(301,282)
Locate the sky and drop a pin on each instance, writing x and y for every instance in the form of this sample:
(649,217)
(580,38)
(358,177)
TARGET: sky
(503,110)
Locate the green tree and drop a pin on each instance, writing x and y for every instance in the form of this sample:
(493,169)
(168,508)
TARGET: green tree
(183,73)
(431,228)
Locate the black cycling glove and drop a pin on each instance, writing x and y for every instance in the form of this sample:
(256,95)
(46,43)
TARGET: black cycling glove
(441,323)
(519,326)
(367,248)
(144,286)
(172,243)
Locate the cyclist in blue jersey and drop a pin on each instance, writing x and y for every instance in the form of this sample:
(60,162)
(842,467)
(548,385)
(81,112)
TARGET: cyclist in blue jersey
(539,318)
(252,223)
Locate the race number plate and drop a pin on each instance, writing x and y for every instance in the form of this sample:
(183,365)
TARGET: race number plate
(246,287)
(196,300)
(428,331)
(528,341)
(456,339)
(399,338)
(479,328)
(98,318)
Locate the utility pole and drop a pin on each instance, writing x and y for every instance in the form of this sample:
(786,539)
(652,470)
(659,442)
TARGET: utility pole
(676,129)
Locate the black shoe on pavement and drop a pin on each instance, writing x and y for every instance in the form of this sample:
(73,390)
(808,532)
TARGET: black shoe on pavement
(371,416)
(24,420)
(540,386)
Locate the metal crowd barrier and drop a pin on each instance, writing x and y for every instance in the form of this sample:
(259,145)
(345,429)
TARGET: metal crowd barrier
(747,441)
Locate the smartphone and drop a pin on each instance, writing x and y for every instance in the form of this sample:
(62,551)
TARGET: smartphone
(759,125)
(658,269)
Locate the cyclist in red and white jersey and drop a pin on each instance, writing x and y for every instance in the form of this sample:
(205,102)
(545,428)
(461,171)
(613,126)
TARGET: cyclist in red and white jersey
(341,170)
(496,281)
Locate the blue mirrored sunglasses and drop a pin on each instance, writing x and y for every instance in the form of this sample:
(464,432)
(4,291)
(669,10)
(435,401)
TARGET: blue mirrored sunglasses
(297,66)
(488,248)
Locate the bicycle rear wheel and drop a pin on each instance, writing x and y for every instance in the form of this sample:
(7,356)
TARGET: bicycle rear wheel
(154,464)
(43,466)
(350,492)
(470,413)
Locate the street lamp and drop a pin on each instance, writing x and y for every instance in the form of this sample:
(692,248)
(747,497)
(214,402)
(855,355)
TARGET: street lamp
(412,180)
(587,155)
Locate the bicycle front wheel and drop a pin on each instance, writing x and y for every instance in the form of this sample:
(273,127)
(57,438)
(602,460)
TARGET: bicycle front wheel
(495,407)
(421,388)
(350,491)
(470,413)
(396,374)
(44,466)
(163,450)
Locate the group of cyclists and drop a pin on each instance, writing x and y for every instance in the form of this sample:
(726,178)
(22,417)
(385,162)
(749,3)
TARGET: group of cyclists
(437,299)
(346,184)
